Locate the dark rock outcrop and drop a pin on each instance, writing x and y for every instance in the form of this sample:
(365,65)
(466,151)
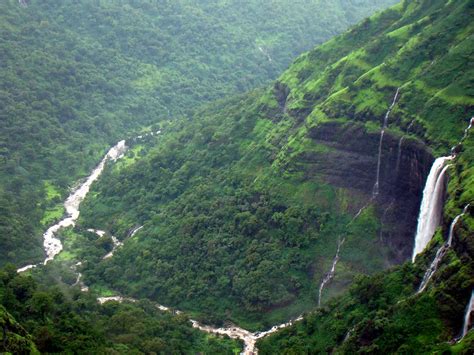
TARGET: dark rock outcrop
(351,163)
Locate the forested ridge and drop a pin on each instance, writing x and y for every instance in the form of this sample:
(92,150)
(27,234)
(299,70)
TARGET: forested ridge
(78,76)
(296,199)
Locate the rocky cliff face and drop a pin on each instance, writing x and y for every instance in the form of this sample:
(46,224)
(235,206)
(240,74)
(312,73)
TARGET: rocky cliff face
(350,162)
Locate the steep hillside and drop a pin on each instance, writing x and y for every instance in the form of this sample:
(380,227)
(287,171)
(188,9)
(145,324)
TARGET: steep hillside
(75,76)
(247,206)
(15,340)
(67,321)
(390,312)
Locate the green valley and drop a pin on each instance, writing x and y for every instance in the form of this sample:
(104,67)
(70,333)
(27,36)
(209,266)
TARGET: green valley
(244,205)
(78,76)
(323,208)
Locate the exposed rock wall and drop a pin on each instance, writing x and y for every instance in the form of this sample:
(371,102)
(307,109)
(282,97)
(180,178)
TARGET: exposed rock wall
(351,163)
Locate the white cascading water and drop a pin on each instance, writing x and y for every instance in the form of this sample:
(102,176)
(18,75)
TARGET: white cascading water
(233,332)
(431,205)
(266,54)
(382,132)
(433,268)
(453,224)
(53,245)
(116,243)
(467,316)
(441,252)
(328,277)
(135,231)
(399,154)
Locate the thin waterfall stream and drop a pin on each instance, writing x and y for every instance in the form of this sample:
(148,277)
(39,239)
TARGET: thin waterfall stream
(441,252)
(467,324)
(382,132)
(399,154)
(330,275)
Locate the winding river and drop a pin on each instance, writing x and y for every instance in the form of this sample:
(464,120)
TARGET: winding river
(53,246)
(234,332)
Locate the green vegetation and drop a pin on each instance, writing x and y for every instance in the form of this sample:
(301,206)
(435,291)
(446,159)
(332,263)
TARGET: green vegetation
(15,340)
(64,320)
(250,241)
(384,312)
(243,205)
(243,201)
(78,76)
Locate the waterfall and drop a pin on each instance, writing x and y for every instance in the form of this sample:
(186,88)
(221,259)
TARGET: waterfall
(453,224)
(266,54)
(331,272)
(431,205)
(441,252)
(390,205)
(466,131)
(382,132)
(467,316)
(375,191)
(433,267)
(399,154)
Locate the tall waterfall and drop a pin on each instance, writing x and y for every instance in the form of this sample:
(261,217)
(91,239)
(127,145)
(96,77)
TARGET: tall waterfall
(467,316)
(431,205)
(382,132)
